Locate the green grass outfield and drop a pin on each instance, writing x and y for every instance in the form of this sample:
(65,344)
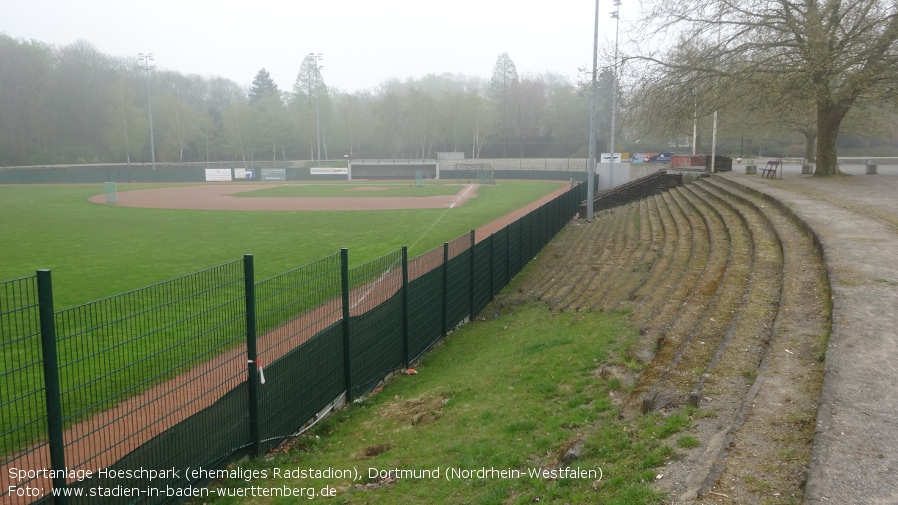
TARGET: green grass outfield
(102,250)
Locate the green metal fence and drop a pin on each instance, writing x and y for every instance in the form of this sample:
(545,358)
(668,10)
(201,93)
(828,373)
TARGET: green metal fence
(23,436)
(202,369)
(425,311)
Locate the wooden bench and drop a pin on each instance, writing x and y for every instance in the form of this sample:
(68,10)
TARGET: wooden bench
(770,169)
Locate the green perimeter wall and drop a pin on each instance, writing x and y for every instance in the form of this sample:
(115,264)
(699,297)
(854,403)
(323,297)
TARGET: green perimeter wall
(168,173)
(124,173)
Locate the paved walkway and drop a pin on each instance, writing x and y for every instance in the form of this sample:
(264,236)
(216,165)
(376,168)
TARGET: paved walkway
(855,454)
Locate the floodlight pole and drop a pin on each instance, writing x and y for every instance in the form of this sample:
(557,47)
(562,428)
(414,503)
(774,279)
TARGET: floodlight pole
(616,16)
(591,164)
(318,68)
(146,61)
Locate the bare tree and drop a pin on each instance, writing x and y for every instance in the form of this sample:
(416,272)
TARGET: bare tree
(837,55)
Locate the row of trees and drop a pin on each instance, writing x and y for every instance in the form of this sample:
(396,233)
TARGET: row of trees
(817,68)
(794,71)
(74,104)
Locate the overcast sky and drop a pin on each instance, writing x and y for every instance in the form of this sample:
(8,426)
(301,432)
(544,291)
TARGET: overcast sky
(363,42)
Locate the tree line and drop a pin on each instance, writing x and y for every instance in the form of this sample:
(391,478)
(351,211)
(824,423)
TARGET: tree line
(74,104)
(795,78)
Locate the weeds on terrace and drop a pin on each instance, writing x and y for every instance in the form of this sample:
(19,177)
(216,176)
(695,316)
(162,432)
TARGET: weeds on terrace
(518,392)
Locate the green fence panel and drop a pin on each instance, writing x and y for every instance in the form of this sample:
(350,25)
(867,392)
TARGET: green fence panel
(299,345)
(23,432)
(296,305)
(376,345)
(425,292)
(541,228)
(482,273)
(375,323)
(528,226)
(515,258)
(207,439)
(424,313)
(458,289)
(141,362)
(501,258)
(301,383)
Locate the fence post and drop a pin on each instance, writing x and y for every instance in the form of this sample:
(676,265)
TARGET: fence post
(471,255)
(405,306)
(51,382)
(347,355)
(252,355)
(445,288)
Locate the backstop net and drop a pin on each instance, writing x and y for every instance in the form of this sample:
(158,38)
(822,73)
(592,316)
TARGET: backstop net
(482,172)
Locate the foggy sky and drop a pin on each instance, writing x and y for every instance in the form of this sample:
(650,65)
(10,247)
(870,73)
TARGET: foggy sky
(363,42)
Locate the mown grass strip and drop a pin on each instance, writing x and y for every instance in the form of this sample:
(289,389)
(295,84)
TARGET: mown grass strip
(519,392)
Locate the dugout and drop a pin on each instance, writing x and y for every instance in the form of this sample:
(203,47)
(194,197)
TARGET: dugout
(392,169)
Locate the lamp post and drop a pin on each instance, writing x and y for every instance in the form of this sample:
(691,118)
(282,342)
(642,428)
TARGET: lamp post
(314,59)
(591,164)
(616,16)
(146,59)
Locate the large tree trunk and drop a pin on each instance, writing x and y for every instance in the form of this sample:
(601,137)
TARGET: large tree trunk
(810,146)
(829,118)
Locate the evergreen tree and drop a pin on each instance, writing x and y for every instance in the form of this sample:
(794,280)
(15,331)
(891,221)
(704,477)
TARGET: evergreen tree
(262,85)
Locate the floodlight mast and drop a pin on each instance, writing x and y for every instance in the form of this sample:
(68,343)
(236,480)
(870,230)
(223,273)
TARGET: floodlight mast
(315,58)
(146,59)
(591,164)
(616,16)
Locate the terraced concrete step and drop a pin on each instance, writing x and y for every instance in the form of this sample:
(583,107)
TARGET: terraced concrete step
(778,417)
(689,342)
(602,269)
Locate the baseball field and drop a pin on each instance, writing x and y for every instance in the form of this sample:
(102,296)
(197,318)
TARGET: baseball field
(98,250)
(157,232)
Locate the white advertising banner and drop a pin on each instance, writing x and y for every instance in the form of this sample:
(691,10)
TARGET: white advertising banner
(240,173)
(218,175)
(274,174)
(329,171)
